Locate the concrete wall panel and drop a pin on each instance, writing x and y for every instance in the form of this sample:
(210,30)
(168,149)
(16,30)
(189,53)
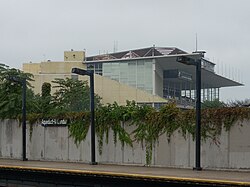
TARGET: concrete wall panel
(11,141)
(136,154)
(215,152)
(35,142)
(239,145)
(163,152)
(54,143)
(111,152)
(179,150)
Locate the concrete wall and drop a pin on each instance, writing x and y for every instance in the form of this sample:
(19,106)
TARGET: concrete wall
(74,55)
(109,90)
(53,143)
(48,71)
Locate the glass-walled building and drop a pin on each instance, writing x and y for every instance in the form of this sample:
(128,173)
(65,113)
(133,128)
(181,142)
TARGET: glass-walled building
(135,73)
(156,71)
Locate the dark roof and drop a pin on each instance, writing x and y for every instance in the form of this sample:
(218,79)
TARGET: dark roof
(137,53)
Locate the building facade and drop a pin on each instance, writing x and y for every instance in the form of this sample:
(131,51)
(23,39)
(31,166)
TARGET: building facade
(156,71)
(109,90)
(148,76)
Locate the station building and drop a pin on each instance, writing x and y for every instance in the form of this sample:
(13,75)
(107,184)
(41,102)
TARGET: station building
(149,76)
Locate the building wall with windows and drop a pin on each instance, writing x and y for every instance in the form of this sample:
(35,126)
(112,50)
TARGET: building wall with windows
(157,79)
(111,90)
(148,75)
(106,86)
(134,73)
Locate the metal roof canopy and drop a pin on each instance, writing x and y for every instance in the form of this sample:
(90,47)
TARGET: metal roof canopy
(208,79)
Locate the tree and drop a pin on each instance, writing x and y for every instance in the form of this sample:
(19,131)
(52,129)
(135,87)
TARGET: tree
(72,95)
(11,92)
(46,89)
(41,103)
(213,104)
(239,103)
(46,98)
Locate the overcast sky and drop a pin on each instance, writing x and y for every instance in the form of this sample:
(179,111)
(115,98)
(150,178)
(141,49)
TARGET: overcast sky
(35,30)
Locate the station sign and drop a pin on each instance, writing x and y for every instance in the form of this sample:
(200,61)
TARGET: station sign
(54,122)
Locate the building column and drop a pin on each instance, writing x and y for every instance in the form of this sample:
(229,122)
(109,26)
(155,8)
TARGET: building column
(153,77)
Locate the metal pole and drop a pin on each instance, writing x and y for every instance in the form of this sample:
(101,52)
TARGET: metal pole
(24,118)
(198,117)
(92,120)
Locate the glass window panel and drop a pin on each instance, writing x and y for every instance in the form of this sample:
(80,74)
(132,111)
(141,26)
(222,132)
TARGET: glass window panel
(134,73)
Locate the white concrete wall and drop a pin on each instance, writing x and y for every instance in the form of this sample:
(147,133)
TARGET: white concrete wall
(10,140)
(53,143)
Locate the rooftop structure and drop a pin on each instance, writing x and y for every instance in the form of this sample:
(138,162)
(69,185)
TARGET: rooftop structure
(156,71)
(138,53)
(74,55)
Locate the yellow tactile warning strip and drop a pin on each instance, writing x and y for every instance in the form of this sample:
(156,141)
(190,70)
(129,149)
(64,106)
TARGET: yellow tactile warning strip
(128,175)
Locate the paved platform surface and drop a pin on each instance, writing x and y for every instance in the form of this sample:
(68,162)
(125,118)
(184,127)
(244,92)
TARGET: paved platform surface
(239,177)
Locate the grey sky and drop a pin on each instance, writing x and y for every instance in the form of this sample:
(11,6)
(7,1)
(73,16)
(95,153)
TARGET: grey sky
(34,30)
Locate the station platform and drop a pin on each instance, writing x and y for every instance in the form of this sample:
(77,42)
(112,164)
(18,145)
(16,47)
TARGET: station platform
(130,173)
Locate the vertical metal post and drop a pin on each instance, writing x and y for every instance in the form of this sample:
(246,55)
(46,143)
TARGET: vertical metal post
(198,117)
(24,118)
(92,120)
(203,92)
(90,73)
(197,64)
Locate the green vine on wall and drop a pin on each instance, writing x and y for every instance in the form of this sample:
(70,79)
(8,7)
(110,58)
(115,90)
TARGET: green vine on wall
(148,124)
(112,117)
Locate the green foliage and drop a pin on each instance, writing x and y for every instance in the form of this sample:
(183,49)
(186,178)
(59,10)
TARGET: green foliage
(111,117)
(45,99)
(72,95)
(213,104)
(150,124)
(144,124)
(239,103)
(46,89)
(11,92)
(79,126)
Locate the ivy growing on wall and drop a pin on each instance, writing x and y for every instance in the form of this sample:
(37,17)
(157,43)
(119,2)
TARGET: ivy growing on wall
(149,124)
